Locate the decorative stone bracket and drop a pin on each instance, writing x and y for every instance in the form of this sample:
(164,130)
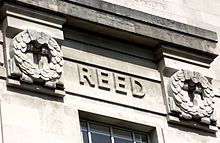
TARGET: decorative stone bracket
(36,57)
(190,97)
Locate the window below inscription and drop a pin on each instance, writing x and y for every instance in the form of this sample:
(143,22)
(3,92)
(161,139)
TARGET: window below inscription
(101,133)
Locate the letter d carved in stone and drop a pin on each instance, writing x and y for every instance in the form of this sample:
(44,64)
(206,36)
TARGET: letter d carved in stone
(191,97)
(137,88)
(36,57)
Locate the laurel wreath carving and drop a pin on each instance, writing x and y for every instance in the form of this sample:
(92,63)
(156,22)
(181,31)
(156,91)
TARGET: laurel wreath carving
(32,39)
(178,87)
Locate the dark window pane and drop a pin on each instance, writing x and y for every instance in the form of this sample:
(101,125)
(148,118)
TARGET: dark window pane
(100,138)
(122,134)
(100,129)
(120,140)
(137,137)
(83,125)
(140,138)
(102,134)
(85,137)
(144,138)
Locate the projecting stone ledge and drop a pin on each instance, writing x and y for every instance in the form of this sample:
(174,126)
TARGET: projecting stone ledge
(129,24)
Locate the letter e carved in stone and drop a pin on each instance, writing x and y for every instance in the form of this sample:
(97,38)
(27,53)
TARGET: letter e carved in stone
(122,83)
(105,79)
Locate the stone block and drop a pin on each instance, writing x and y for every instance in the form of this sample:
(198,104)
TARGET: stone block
(170,63)
(178,33)
(98,110)
(17,23)
(51,4)
(20,117)
(90,88)
(1,55)
(110,59)
(1,37)
(79,37)
(173,135)
(216,85)
(46,122)
(35,88)
(217,106)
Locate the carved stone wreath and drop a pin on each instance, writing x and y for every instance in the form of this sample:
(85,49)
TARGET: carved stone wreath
(30,42)
(191,96)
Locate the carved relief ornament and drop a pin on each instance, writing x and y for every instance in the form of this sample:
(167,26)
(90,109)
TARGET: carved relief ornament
(36,56)
(191,97)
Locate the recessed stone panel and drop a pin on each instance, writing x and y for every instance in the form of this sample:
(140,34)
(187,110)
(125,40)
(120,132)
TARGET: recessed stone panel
(113,86)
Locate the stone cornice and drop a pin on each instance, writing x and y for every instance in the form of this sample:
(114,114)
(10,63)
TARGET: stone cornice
(147,18)
(129,24)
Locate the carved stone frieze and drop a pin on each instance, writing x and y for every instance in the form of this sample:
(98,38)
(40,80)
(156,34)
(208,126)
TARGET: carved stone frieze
(36,57)
(110,81)
(191,97)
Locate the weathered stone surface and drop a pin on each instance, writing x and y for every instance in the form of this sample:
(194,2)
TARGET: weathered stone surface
(26,24)
(195,58)
(28,118)
(217,105)
(80,39)
(216,87)
(134,26)
(3,72)
(37,57)
(137,15)
(20,18)
(184,134)
(1,50)
(107,58)
(170,63)
(1,37)
(83,80)
(112,71)
(191,97)
(1,56)
(121,115)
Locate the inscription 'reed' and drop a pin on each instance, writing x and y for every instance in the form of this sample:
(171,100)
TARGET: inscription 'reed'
(110,81)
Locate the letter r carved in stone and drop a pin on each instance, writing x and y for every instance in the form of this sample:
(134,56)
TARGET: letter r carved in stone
(86,75)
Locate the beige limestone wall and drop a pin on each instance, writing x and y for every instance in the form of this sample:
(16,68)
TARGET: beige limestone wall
(36,118)
(200,13)
(44,119)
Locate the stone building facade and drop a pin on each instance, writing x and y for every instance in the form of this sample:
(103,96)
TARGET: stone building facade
(109,71)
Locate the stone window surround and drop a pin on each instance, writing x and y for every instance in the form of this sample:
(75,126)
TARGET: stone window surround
(111,130)
(154,133)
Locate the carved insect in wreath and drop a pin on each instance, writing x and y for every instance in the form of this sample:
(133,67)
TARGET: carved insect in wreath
(191,96)
(38,57)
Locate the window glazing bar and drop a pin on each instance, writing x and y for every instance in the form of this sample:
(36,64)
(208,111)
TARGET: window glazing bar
(111,133)
(89,132)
